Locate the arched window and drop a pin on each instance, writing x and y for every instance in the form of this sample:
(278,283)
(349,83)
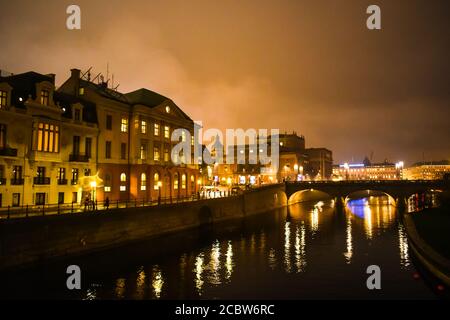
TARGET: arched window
(123,178)
(183,181)
(143,182)
(175,181)
(192,183)
(156,181)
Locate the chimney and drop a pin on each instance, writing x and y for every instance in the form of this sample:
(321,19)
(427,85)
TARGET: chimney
(52,76)
(75,73)
(75,77)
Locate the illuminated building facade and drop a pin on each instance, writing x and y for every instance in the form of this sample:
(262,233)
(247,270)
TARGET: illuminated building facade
(47,150)
(434,170)
(368,171)
(85,140)
(295,163)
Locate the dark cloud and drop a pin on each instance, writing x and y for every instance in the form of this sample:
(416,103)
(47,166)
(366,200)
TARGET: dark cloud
(308,66)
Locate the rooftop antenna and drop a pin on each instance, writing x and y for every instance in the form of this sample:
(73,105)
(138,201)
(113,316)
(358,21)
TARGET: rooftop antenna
(96,77)
(88,73)
(107,72)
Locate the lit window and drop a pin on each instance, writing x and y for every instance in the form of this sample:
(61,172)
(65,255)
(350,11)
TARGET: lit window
(143,182)
(175,181)
(45,97)
(166,132)
(143,127)
(167,109)
(155,153)
(107,189)
(123,188)
(124,125)
(3,99)
(166,155)
(156,129)
(155,181)
(192,140)
(47,137)
(123,177)
(183,135)
(183,181)
(81,91)
(143,151)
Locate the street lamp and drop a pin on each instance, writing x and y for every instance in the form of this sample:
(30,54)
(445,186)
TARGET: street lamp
(93,187)
(296,170)
(159,192)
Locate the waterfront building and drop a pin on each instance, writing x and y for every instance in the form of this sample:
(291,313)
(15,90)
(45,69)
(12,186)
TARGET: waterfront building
(86,140)
(46,142)
(368,171)
(432,170)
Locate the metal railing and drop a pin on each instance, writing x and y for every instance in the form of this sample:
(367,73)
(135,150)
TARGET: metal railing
(26,211)
(41,180)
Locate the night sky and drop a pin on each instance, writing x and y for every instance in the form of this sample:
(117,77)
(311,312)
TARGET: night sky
(308,66)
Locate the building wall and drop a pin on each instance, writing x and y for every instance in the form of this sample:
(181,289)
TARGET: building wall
(22,126)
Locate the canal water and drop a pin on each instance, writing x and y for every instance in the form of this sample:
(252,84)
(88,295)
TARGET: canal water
(306,251)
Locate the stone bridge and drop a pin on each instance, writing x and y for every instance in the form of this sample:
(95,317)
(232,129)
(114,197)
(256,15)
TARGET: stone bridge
(397,189)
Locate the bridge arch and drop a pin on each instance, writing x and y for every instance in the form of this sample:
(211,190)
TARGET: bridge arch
(308,195)
(369,193)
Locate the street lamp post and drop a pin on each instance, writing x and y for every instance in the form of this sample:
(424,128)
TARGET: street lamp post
(93,187)
(159,192)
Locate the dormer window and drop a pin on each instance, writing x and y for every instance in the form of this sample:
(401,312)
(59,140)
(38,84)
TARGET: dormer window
(45,97)
(81,91)
(3,99)
(167,109)
(77,115)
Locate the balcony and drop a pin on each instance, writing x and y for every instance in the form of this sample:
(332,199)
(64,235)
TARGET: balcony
(74,182)
(2,181)
(41,180)
(16,182)
(78,158)
(62,182)
(8,152)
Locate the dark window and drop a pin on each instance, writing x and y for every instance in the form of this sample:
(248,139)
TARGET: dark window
(40,172)
(74,197)
(123,151)
(108,150)
(77,114)
(17,173)
(16,200)
(3,99)
(61,198)
(0,200)
(40,198)
(74,176)
(62,173)
(88,147)
(2,136)
(2,171)
(45,97)
(87,172)
(76,145)
(108,122)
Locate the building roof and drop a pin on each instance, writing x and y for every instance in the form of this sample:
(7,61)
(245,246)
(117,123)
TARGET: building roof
(24,85)
(67,100)
(146,97)
(432,163)
(103,90)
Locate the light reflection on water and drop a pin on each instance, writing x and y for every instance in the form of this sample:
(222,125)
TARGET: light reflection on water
(294,252)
